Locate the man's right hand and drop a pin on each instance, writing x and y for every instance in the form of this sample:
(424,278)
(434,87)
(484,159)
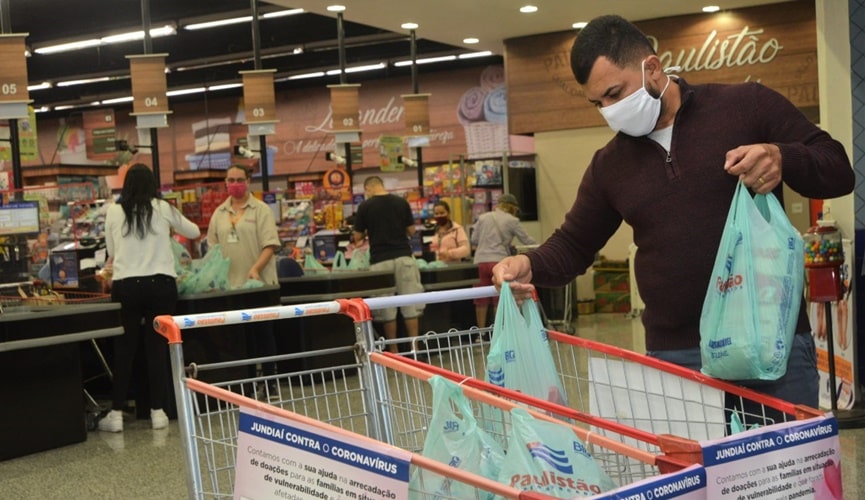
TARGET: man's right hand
(517,270)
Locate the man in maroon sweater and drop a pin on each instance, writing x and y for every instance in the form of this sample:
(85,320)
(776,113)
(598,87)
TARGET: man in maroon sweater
(670,173)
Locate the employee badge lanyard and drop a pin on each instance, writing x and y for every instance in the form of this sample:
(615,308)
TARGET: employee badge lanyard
(234,219)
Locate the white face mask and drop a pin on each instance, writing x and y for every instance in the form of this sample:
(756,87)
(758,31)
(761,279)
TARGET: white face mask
(637,114)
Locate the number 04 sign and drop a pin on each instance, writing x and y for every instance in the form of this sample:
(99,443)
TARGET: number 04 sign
(149,86)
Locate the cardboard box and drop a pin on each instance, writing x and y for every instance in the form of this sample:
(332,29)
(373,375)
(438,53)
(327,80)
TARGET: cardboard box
(612,280)
(612,302)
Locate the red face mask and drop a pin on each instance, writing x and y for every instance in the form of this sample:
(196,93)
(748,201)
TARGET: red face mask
(441,221)
(237,190)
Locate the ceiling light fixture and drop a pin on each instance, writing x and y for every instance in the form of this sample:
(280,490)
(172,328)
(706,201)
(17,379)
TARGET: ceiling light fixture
(472,55)
(240,19)
(358,69)
(131,36)
(427,60)
(336,8)
(303,76)
(579,25)
(83,81)
(409,26)
(195,90)
(117,100)
(224,86)
(471,41)
(528,9)
(711,8)
(39,86)
(73,106)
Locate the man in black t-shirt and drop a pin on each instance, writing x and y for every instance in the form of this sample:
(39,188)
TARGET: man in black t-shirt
(387,221)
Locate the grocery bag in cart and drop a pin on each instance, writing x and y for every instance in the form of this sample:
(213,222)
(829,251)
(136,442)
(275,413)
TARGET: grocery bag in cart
(519,357)
(457,440)
(549,458)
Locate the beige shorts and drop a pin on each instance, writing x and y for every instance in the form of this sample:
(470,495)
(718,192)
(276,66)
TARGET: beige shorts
(407,278)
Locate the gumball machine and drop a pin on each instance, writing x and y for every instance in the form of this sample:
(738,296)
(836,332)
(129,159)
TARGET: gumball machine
(824,266)
(824,258)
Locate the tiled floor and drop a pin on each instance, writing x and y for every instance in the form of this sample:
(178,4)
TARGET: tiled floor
(141,463)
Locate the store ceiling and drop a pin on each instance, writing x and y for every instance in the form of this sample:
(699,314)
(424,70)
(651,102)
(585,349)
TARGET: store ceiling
(292,45)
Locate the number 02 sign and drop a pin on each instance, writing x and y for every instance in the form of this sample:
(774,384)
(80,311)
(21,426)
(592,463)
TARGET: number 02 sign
(344,102)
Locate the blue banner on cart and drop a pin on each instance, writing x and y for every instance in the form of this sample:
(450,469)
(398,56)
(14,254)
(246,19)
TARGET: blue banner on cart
(687,484)
(277,456)
(800,459)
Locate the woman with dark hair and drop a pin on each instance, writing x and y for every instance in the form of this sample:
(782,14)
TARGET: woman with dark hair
(450,242)
(138,238)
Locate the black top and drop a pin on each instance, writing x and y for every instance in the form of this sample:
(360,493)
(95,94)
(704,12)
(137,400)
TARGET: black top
(385,219)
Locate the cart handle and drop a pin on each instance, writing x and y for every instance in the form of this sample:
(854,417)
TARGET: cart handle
(410,299)
(170,326)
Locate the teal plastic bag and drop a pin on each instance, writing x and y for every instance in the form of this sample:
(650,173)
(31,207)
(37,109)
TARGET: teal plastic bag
(311,265)
(210,273)
(339,262)
(359,260)
(752,303)
(519,357)
(454,438)
(549,458)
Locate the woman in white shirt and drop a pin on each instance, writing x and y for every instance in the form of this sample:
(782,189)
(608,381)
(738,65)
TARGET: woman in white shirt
(138,238)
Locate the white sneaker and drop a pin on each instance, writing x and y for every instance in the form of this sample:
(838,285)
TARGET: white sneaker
(113,422)
(158,419)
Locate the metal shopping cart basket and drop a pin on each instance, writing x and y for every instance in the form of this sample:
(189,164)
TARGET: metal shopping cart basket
(662,408)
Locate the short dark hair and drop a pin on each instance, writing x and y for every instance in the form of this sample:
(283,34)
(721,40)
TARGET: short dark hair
(613,37)
(373,180)
(239,167)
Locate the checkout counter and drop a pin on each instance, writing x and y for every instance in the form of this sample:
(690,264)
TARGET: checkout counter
(40,364)
(321,332)
(445,316)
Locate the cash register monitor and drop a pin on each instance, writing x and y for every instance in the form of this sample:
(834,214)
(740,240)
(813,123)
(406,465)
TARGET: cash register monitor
(19,217)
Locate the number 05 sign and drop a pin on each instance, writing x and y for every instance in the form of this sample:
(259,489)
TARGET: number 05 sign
(13,77)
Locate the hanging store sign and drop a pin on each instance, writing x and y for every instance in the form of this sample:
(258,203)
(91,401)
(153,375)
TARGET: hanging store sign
(259,101)
(14,96)
(149,90)
(416,114)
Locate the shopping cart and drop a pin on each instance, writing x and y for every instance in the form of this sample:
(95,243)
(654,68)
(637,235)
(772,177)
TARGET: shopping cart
(381,401)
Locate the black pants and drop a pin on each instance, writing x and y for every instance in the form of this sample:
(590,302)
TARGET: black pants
(142,298)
